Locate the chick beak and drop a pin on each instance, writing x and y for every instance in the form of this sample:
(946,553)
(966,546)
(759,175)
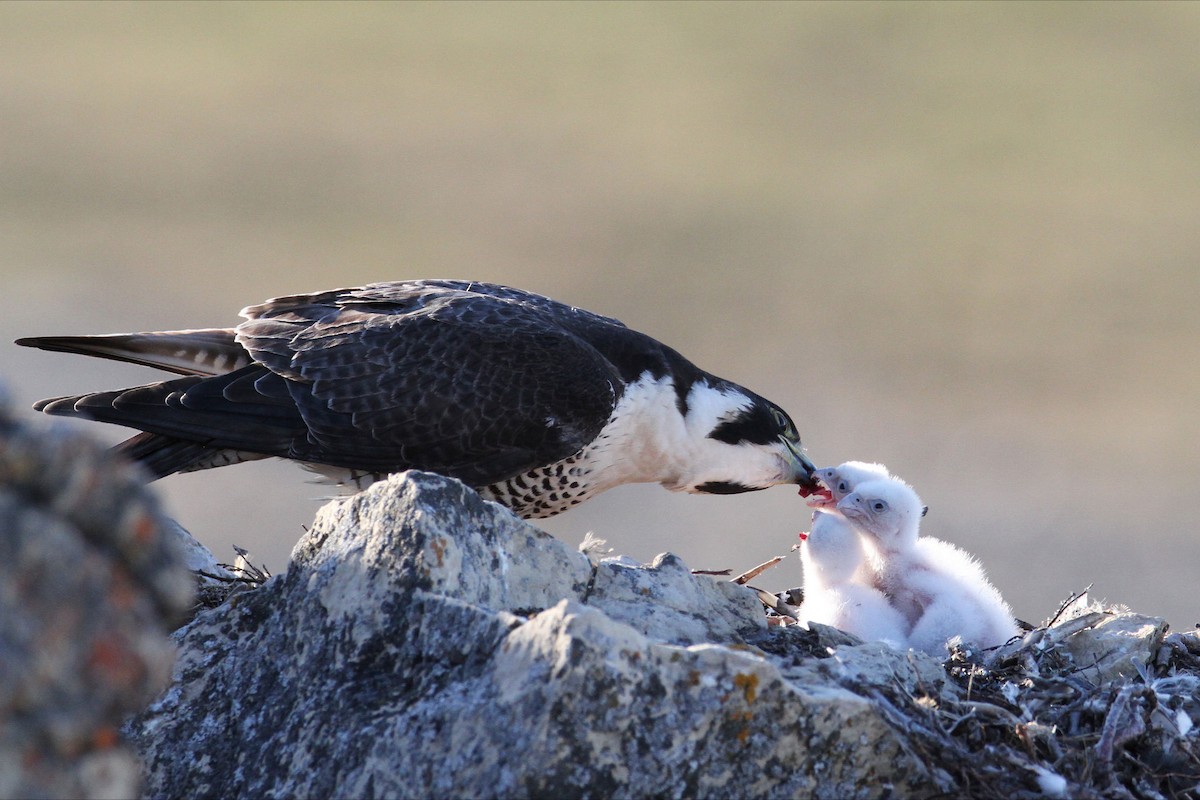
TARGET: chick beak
(849,508)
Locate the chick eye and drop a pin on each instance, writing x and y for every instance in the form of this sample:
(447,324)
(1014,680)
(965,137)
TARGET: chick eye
(843,486)
(879,506)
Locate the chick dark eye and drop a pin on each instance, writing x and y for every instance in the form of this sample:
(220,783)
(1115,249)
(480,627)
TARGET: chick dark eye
(842,487)
(879,506)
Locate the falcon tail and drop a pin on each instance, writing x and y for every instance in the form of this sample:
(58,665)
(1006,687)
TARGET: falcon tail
(162,455)
(209,351)
(194,422)
(165,455)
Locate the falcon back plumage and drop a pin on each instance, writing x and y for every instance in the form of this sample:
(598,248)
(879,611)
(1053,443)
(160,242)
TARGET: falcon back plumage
(508,391)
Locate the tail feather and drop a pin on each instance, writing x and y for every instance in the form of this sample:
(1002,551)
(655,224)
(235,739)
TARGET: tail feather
(163,455)
(166,455)
(205,352)
(160,455)
(180,408)
(194,422)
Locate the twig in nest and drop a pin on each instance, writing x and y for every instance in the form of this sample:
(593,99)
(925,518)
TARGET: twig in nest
(772,602)
(245,570)
(754,573)
(1070,601)
(1119,726)
(228,578)
(717,572)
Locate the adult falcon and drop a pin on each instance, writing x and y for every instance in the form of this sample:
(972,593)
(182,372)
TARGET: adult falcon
(537,404)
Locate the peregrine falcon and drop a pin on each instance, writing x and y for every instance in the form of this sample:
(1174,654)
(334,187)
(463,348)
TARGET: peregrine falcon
(535,403)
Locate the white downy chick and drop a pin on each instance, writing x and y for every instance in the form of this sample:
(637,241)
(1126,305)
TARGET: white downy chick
(842,479)
(835,592)
(940,589)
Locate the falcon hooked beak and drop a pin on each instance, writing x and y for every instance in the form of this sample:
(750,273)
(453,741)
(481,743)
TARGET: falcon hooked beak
(802,468)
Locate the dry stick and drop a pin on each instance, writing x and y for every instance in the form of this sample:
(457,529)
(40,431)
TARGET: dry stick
(1067,604)
(228,578)
(772,602)
(1117,729)
(754,573)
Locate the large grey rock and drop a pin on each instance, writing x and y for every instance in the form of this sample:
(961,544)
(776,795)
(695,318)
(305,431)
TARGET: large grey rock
(90,585)
(1116,645)
(426,643)
(666,602)
(427,533)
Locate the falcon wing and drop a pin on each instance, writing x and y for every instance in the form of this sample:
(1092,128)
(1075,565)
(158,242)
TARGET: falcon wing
(473,386)
(455,383)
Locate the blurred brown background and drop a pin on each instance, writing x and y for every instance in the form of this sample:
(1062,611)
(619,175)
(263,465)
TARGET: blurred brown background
(958,239)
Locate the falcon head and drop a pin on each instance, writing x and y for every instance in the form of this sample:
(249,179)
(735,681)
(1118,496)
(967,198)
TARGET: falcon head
(736,441)
(888,510)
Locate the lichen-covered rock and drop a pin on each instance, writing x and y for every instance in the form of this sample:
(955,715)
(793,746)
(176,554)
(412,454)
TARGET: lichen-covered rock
(596,708)
(89,587)
(433,534)
(424,642)
(1115,645)
(666,602)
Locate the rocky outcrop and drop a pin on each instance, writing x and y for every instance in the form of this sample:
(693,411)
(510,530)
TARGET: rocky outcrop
(90,586)
(424,642)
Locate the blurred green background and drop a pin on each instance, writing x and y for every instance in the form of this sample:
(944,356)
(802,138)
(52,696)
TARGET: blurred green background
(960,239)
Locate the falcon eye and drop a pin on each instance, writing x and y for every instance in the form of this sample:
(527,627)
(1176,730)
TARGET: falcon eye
(785,425)
(760,423)
(879,506)
(843,487)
